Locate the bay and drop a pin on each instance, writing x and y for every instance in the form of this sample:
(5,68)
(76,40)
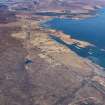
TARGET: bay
(91,30)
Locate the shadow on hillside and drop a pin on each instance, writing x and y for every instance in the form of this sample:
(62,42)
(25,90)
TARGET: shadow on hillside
(6,15)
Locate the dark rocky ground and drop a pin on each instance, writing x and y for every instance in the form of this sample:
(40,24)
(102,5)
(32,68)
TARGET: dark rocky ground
(13,77)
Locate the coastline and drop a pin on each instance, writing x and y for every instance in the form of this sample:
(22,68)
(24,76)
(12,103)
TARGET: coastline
(69,40)
(44,41)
